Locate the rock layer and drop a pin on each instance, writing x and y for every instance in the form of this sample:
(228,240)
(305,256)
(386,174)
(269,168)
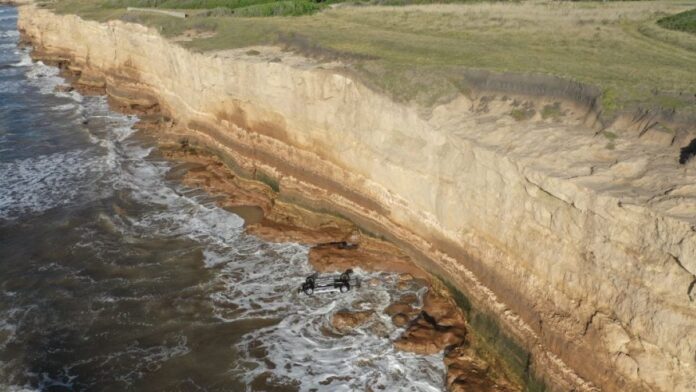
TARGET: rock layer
(582,255)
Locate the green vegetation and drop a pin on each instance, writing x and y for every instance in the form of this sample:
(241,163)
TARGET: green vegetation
(253,8)
(609,100)
(684,21)
(494,345)
(522,114)
(611,136)
(420,53)
(248,8)
(551,111)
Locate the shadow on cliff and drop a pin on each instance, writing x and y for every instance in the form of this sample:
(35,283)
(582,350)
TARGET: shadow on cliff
(687,152)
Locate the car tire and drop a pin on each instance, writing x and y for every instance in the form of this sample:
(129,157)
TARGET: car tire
(309,290)
(345,287)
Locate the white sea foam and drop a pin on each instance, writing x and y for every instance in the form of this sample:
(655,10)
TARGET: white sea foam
(40,75)
(9,34)
(38,184)
(34,185)
(17,388)
(24,61)
(301,350)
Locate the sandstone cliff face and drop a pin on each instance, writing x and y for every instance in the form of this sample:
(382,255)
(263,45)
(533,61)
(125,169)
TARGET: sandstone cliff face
(583,255)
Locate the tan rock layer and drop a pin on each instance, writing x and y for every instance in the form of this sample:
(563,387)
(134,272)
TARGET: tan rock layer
(598,291)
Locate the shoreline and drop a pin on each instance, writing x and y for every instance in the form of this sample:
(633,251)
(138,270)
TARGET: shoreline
(439,326)
(531,293)
(326,236)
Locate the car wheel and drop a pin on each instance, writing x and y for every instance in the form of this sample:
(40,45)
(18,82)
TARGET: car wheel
(345,287)
(308,290)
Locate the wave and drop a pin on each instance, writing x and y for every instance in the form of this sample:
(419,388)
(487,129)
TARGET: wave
(9,34)
(38,184)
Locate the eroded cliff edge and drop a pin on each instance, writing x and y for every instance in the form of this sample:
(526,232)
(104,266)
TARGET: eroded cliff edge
(579,257)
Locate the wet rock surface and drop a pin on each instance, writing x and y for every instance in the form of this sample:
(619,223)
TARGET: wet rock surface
(424,336)
(345,321)
(439,326)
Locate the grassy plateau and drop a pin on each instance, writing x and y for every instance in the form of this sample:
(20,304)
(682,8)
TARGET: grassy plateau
(639,54)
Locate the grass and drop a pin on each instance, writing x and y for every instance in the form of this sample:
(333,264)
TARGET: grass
(420,53)
(551,111)
(683,21)
(611,136)
(522,114)
(244,8)
(255,8)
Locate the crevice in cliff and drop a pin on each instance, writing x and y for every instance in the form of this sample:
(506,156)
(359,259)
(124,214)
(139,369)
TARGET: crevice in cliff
(589,322)
(691,289)
(546,192)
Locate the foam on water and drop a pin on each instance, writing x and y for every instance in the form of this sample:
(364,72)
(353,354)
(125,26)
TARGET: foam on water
(304,348)
(38,184)
(9,34)
(17,388)
(25,61)
(42,76)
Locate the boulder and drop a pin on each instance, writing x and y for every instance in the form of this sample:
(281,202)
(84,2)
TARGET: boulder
(400,320)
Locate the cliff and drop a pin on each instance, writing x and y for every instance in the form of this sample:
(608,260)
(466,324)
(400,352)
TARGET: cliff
(573,252)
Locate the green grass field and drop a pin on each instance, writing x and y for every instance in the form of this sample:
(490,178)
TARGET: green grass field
(683,21)
(419,53)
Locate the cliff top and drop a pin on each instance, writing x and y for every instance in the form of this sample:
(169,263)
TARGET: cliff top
(421,53)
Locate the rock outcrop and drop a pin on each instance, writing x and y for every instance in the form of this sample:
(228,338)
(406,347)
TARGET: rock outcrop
(439,326)
(345,321)
(578,247)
